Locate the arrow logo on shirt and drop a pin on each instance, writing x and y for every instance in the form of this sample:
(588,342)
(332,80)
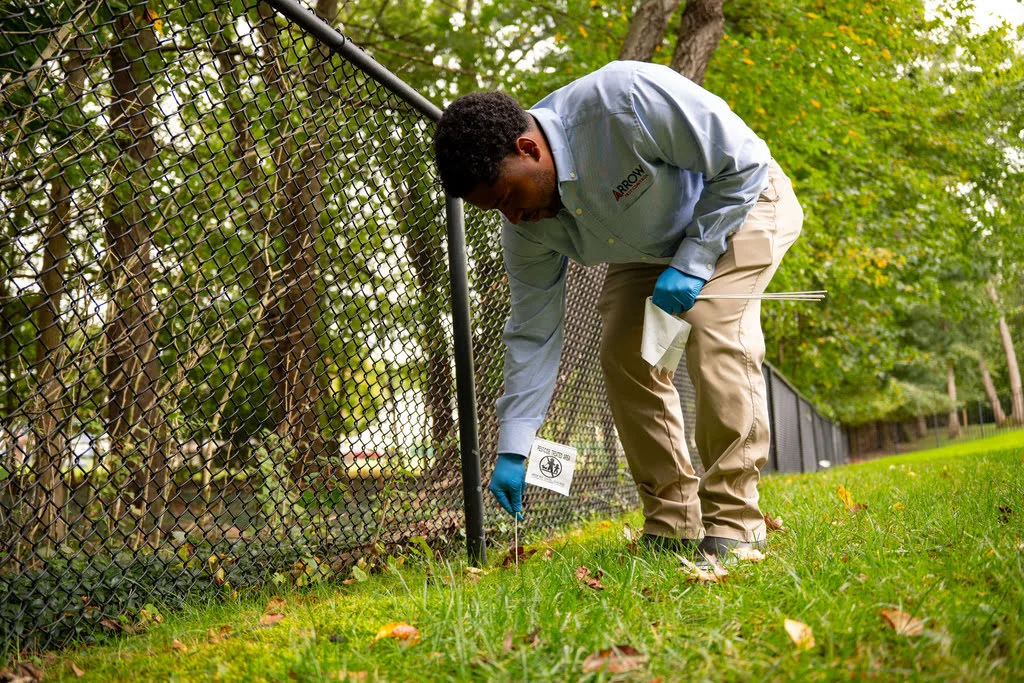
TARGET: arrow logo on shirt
(630,183)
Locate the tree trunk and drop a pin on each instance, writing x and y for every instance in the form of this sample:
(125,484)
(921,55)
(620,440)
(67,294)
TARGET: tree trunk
(954,419)
(647,29)
(922,427)
(298,354)
(130,365)
(1016,393)
(990,392)
(700,29)
(50,496)
(424,246)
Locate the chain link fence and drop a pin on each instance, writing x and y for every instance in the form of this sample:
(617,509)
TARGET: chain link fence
(228,345)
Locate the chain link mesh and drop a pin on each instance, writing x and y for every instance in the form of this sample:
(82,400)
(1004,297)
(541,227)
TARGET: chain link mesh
(226,335)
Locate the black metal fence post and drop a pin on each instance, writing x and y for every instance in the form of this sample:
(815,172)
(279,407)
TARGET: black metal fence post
(468,439)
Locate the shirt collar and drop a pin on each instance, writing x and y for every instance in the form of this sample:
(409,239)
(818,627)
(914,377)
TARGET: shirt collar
(554,131)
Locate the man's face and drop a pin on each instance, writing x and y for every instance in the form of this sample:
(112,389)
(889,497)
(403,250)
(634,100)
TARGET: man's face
(527,187)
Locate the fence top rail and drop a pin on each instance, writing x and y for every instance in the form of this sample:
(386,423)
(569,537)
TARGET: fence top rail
(306,19)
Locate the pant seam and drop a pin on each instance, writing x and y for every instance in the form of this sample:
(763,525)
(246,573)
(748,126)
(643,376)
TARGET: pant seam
(748,361)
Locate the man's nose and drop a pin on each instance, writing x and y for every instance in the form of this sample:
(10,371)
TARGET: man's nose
(513,215)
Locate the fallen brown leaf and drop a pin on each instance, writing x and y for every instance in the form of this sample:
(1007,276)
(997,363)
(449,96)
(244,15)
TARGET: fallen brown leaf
(903,623)
(584,577)
(748,554)
(695,574)
(847,498)
(800,633)
(23,672)
(218,636)
(179,646)
(532,638)
(518,552)
(632,537)
(112,625)
(549,552)
(78,672)
(405,634)
(506,645)
(477,570)
(276,604)
(271,619)
(615,660)
(354,676)
(348,582)
(773,523)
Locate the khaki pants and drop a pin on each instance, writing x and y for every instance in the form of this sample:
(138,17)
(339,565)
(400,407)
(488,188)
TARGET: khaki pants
(724,355)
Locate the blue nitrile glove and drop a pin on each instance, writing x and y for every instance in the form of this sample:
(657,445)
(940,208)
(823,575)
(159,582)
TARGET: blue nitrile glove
(508,482)
(676,291)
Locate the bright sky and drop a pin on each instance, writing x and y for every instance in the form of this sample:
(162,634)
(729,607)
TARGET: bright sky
(991,12)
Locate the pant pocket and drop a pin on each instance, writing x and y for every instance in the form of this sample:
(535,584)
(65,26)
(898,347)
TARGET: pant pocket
(752,248)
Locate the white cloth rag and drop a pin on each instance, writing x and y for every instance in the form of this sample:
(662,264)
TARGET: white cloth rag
(664,339)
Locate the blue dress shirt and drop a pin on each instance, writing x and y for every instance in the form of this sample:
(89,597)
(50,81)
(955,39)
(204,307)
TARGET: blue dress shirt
(651,168)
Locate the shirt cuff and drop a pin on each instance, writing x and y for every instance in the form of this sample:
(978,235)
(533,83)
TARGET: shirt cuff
(693,258)
(516,437)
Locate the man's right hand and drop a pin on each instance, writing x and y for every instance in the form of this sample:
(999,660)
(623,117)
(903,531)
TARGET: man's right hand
(508,482)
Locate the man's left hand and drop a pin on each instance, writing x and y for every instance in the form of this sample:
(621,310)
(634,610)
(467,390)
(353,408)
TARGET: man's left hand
(676,291)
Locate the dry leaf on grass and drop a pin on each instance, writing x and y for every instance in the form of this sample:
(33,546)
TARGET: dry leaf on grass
(549,552)
(773,523)
(218,636)
(695,574)
(506,645)
(615,660)
(112,625)
(847,498)
(276,604)
(271,619)
(800,633)
(748,554)
(518,552)
(632,537)
(476,570)
(353,676)
(179,646)
(405,634)
(903,623)
(605,524)
(584,577)
(529,640)
(78,672)
(23,672)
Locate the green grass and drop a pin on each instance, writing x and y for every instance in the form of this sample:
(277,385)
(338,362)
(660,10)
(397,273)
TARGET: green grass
(946,553)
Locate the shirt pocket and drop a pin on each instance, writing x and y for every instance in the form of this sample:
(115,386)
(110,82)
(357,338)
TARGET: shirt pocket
(633,185)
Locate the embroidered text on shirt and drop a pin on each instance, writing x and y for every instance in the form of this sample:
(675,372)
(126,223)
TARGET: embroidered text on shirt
(632,181)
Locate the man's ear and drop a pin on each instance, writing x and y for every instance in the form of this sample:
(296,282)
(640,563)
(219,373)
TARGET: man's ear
(527,146)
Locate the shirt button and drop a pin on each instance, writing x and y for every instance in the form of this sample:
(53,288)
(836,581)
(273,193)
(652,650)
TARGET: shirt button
(611,240)
(572,175)
(710,267)
(579,212)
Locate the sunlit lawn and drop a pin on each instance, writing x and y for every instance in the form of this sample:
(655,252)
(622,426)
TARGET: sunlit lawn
(940,540)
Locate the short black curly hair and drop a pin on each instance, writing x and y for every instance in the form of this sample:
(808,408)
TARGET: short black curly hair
(475,133)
